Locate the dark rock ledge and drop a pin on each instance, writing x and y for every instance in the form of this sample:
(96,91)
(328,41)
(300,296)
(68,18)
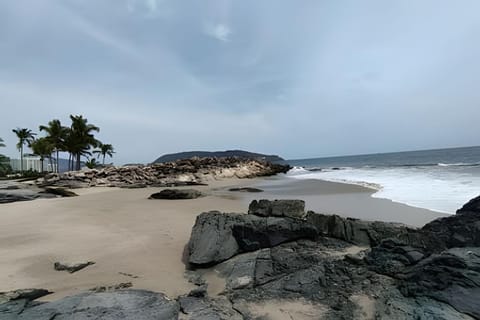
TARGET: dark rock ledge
(346,268)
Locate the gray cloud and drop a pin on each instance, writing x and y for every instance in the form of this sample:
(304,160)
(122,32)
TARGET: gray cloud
(298,79)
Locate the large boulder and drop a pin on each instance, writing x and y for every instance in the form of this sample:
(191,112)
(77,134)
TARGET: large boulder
(278,208)
(219,236)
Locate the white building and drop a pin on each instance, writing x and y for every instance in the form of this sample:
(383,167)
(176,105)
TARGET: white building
(31,162)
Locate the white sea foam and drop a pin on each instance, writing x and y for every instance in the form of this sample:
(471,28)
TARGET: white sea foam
(443,189)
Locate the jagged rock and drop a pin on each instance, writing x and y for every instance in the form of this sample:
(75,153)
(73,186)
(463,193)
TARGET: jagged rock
(277,208)
(71,267)
(246,189)
(218,236)
(177,194)
(459,230)
(452,277)
(361,232)
(60,192)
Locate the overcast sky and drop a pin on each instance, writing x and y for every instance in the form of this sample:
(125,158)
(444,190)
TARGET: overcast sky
(301,78)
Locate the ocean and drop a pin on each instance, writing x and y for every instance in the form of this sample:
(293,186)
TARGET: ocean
(440,180)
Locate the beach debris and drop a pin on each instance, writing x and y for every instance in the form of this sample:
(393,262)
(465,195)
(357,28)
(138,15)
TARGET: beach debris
(129,275)
(120,286)
(72,267)
(278,208)
(245,189)
(177,194)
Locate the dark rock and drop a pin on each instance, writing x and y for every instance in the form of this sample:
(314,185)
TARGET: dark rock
(217,236)
(71,267)
(246,189)
(277,208)
(177,194)
(459,230)
(124,304)
(359,231)
(60,192)
(452,277)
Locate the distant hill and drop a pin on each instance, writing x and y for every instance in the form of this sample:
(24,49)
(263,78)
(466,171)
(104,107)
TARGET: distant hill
(228,153)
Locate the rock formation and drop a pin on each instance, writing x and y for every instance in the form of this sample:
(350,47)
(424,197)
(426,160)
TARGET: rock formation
(181,172)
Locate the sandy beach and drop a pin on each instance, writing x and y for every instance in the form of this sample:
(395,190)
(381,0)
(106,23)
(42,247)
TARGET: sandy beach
(133,239)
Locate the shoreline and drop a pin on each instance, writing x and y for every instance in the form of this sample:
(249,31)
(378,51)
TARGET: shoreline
(126,233)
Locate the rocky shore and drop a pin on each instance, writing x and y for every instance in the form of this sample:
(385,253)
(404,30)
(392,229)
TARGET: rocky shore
(181,172)
(279,262)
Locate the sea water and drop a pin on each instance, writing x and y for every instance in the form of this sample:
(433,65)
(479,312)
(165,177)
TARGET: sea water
(440,180)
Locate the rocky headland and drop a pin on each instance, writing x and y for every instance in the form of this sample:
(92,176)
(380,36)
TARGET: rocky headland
(280,262)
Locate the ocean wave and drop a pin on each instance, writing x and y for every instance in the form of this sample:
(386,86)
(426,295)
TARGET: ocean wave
(459,164)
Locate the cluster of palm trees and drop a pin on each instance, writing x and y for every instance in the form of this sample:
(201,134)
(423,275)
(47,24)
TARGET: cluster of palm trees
(77,140)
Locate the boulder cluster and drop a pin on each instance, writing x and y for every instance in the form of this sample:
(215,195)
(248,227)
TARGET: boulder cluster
(182,172)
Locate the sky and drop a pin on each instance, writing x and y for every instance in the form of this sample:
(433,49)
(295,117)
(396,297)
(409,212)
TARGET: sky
(300,79)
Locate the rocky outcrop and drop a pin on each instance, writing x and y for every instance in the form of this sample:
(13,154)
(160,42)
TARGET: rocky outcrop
(278,208)
(219,236)
(177,194)
(189,171)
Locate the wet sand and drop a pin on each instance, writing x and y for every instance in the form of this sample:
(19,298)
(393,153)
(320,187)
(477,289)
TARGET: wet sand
(125,233)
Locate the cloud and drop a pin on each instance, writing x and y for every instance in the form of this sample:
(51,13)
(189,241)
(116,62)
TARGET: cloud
(218,31)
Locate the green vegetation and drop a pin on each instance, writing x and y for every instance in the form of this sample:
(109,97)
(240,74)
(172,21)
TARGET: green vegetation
(43,148)
(77,140)
(91,163)
(104,150)
(4,162)
(25,136)
(56,134)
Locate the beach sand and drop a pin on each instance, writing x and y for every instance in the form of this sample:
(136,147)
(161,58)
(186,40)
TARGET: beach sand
(125,233)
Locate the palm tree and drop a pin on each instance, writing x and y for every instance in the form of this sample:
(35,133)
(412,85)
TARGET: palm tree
(104,150)
(43,148)
(56,134)
(81,138)
(24,135)
(1,143)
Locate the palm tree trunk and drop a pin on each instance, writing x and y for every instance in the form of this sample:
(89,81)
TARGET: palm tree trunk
(78,162)
(104,160)
(21,159)
(57,169)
